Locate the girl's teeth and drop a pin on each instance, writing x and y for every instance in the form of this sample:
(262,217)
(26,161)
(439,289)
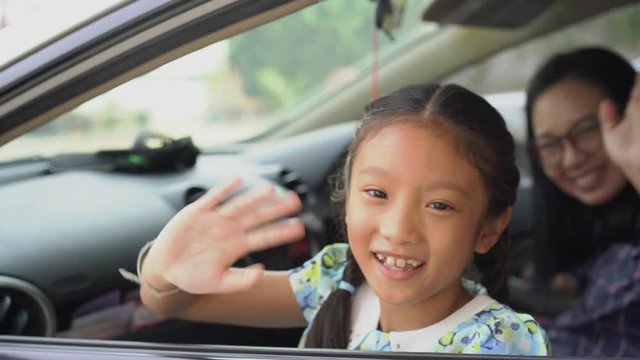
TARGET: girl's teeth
(413,263)
(400,264)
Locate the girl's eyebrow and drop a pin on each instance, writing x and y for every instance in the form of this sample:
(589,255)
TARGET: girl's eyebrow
(374,170)
(442,184)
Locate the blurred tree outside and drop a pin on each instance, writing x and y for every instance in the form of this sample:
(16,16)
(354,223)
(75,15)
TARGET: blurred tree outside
(328,35)
(331,39)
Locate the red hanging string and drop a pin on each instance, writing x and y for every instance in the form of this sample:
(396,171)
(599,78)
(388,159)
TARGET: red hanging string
(374,65)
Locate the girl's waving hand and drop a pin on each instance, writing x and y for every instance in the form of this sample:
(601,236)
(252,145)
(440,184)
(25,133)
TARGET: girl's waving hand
(196,249)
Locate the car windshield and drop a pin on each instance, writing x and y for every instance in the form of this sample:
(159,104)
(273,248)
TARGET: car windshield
(26,24)
(235,89)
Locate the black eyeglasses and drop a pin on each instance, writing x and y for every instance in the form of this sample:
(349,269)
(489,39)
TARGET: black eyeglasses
(584,136)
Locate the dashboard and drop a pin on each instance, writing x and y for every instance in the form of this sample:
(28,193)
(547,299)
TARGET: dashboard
(65,234)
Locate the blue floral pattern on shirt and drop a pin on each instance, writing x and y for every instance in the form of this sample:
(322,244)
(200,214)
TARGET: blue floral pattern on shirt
(497,329)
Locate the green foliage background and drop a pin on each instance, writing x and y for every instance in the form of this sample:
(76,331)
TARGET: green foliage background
(271,71)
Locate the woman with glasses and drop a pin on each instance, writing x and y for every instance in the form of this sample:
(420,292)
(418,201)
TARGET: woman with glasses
(583,116)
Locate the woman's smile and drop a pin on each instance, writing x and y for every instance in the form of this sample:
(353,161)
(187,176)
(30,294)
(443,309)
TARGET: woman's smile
(589,180)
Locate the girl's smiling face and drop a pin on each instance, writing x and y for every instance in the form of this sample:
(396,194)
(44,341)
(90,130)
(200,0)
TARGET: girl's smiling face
(414,214)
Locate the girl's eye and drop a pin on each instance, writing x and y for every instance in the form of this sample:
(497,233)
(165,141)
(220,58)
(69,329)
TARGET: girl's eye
(376,194)
(437,205)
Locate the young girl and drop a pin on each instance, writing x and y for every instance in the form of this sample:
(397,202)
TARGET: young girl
(428,187)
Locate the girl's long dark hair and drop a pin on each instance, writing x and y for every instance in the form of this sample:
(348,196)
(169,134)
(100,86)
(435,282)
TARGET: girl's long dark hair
(566,231)
(480,135)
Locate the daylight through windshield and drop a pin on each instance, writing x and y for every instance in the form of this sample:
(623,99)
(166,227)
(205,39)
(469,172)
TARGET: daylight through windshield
(234,89)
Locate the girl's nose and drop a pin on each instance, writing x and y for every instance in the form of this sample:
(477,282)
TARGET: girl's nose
(399,224)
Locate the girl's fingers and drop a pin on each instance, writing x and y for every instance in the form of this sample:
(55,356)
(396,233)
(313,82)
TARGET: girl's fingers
(266,212)
(215,195)
(243,202)
(239,279)
(276,234)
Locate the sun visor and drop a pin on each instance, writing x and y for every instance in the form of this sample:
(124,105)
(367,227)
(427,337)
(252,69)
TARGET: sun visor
(486,13)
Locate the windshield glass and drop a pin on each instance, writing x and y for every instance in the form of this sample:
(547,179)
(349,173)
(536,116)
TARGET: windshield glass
(25,24)
(234,89)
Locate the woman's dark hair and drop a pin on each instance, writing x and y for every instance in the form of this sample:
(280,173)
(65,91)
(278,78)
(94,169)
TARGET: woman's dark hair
(567,232)
(480,135)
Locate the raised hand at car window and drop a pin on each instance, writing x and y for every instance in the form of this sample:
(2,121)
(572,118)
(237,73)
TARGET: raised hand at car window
(197,248)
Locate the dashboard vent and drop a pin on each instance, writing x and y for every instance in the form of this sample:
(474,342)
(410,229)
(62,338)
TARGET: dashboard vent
(193,194)
(291,181)
(24,310)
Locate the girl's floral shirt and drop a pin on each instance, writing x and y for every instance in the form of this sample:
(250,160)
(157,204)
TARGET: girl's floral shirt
(493,328)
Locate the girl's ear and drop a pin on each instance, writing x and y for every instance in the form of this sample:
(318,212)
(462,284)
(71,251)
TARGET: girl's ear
(491,231)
